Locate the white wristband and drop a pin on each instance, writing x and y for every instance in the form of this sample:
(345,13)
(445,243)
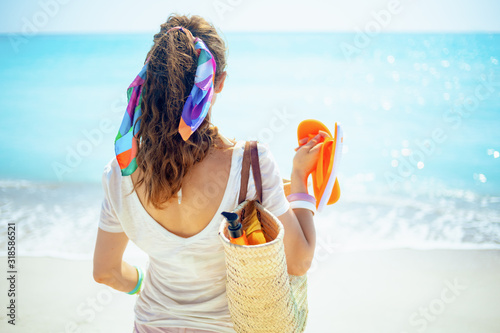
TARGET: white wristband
(303,204)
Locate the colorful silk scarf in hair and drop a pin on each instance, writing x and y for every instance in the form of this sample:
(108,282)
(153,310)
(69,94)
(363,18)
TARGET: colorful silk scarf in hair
(126,140)
(194,112)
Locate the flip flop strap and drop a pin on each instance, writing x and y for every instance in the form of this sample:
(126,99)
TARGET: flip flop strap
(321,172)
(319,164)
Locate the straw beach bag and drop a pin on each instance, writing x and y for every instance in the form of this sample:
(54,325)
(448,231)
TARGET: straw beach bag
(262,296)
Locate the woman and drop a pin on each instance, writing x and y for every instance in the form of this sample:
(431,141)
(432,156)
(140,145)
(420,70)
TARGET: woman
(173,176)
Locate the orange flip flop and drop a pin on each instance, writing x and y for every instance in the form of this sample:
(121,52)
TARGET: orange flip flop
(325,184)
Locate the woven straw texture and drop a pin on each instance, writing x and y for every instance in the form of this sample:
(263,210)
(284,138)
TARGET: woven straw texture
(262,297)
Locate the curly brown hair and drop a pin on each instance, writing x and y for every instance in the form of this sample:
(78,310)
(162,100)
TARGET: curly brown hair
(163,157)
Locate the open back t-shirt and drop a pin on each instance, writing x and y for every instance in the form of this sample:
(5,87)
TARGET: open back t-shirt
(185,282)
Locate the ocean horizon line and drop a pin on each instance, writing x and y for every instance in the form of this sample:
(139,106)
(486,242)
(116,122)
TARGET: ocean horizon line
(250,32)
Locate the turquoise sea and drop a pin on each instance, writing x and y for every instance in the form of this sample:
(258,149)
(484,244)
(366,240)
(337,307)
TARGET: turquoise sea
(420,112)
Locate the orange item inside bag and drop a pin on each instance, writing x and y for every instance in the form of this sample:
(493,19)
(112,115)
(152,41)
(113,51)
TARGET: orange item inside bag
(253,230)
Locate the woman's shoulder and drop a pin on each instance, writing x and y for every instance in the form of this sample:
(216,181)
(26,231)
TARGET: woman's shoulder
(264,152)
(267,162)
(111,176)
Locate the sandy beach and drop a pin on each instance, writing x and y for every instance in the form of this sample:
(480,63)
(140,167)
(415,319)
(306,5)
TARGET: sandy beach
(391,291)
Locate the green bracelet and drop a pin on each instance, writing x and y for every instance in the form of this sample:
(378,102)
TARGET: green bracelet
(139,282)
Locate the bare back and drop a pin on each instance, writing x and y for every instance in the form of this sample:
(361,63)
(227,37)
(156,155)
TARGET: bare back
(202,192)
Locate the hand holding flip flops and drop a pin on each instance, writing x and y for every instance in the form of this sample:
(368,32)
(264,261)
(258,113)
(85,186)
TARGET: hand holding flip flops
(315,138)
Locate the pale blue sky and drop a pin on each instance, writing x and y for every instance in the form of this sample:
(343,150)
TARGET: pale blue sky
(84,16)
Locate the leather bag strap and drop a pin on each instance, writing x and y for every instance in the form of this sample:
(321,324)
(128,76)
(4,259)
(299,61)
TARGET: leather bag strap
(250,158)
(254,152)
(245,173)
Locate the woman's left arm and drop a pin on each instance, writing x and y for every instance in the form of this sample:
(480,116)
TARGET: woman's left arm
(109,267)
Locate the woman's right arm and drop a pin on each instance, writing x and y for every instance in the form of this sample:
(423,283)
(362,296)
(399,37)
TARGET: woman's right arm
(300,233)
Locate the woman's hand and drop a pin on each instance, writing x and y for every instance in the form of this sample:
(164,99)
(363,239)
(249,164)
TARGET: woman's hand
(305,159)
(300,234)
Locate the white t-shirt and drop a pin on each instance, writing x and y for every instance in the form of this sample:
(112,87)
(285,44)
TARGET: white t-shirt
(185,282)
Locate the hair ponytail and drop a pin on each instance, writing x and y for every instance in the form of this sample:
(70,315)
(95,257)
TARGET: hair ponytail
(163,157)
